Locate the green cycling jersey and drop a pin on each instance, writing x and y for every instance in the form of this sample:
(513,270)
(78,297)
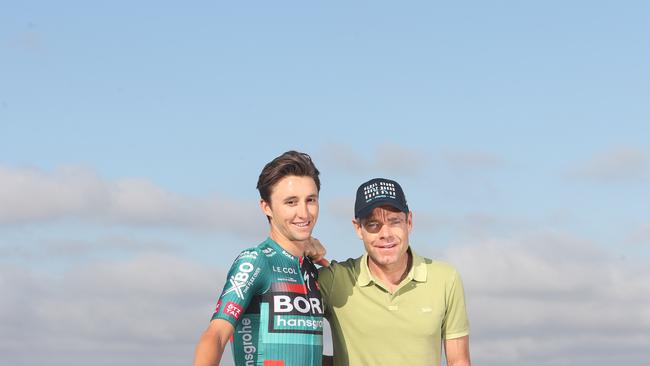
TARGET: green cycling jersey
(273,301)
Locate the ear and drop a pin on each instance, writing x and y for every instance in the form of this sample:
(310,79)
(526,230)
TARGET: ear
(357,228)
(409,221)
(266,208)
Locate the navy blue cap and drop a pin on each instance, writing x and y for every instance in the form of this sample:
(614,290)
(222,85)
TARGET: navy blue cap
(379,192)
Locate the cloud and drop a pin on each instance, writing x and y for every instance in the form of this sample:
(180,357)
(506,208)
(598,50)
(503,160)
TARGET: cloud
(51,249)
(544,299)
(553,299)
(387,159)
(32,195)
(640,236)
(144,311)
(616,165)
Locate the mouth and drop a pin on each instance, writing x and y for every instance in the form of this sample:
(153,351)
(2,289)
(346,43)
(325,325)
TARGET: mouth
(302,224)
(387,246)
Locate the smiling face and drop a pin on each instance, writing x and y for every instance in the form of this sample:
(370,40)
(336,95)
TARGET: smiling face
(385,235)
(292,211)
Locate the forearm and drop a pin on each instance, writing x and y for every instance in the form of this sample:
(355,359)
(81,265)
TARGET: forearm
(208,351)
(457,351)
(464,362)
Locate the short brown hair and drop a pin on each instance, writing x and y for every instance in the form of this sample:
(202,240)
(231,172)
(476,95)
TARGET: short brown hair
(290,163)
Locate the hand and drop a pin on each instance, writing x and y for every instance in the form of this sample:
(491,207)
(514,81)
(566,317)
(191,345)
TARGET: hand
(316,252)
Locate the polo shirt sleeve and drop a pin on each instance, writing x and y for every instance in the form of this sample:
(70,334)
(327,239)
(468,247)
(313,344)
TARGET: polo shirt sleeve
(455,323)
(325,283)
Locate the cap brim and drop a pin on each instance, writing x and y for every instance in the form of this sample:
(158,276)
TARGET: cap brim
(366,211)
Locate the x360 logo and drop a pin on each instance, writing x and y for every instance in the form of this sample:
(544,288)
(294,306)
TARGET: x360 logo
(238,282)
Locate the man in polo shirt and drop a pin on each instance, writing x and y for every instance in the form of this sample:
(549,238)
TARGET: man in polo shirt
(392,306)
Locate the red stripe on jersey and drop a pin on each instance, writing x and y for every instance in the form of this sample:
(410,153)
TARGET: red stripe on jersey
(273,363)
(297,288)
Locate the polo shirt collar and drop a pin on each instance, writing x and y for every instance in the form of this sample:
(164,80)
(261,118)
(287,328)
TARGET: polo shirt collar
(417,273)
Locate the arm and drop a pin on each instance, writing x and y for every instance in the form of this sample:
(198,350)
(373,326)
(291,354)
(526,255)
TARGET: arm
(457,351)
(212,343)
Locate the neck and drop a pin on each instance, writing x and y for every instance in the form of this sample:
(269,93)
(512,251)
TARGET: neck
(391,274)
(295,248)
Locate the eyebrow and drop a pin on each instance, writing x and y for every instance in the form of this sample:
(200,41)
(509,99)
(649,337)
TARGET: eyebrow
(296,197)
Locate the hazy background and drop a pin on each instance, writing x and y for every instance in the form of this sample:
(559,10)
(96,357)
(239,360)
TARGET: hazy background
(132,135)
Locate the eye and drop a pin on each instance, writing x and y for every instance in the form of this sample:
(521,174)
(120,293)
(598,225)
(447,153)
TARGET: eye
(396,221)
(291,202)
(372,226)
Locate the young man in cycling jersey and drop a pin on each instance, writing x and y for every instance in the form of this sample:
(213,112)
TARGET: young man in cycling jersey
(392,306)
(270,305)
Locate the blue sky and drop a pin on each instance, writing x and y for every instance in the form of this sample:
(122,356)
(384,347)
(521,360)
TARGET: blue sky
(132,134)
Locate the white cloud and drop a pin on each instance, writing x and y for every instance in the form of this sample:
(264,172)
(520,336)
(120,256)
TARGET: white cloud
(387,159)
(541,300)
(32,195)
(145,311)
(554,299)
(48,250)
(641,235)
(616,165)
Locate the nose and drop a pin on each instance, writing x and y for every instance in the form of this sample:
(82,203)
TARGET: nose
(303,210)
(385,232)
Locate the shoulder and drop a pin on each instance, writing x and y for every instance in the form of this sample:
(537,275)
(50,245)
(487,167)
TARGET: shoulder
(257,256)
(349,265)
(339,271)
(437,269)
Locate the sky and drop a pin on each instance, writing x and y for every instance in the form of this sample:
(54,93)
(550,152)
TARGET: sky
(132,135)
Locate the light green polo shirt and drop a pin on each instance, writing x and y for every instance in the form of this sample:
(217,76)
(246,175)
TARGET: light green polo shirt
(371,326)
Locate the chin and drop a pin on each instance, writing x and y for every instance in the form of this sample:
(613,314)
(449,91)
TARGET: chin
(301,237)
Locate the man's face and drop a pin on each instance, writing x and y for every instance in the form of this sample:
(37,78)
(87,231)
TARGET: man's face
(293,208)
(385,235)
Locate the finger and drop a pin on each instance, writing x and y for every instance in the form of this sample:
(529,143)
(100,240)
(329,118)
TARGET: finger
(323,262)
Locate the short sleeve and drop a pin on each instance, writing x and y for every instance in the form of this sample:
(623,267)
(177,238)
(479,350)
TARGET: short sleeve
(325,283)
(246,279)
(455,323)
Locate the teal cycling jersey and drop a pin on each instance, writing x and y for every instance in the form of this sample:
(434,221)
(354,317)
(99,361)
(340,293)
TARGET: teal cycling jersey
(273,301)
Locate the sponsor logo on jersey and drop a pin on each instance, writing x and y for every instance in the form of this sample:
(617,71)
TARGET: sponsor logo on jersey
(301,324)
(286,270)
(248,254)
(240,282)
(216,310)
(287,254)
(233,309)
(269,252)
(296,313)
(246,333)
(296,304)
(286,279)
(307,278)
